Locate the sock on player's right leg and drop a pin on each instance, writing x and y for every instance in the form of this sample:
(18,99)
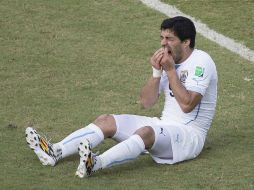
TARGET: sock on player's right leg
(69,144)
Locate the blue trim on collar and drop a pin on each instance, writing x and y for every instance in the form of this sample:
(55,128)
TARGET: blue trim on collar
(177,66)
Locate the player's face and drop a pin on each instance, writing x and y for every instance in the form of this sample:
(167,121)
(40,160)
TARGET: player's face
(173,44)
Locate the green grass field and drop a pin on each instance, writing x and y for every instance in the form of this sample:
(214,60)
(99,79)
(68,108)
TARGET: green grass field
(63,63)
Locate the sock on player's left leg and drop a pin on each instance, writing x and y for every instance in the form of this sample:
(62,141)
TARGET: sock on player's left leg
(123,152)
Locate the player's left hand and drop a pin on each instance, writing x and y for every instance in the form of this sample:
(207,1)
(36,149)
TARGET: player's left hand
(167,61)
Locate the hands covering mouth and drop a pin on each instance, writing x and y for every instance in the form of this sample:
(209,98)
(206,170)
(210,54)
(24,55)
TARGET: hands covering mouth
(166,49)
(162,58)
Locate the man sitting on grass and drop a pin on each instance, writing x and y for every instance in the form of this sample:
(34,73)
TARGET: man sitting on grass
(188,78)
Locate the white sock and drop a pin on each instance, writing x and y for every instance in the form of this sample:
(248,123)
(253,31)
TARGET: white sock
(123,152)
(69,144)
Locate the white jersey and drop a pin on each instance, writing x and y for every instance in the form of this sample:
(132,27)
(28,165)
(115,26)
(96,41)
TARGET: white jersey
(197,73)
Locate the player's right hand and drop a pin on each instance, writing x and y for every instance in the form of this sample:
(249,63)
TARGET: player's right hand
(156,58)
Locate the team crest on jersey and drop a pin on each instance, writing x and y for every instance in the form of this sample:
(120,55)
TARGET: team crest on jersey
(183,76)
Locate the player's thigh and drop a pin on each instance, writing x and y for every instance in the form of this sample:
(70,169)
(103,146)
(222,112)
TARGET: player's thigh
(162,147)
(127,125)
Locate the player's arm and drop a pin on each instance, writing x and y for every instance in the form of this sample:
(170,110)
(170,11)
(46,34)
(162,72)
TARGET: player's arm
(187,100)
(150,92)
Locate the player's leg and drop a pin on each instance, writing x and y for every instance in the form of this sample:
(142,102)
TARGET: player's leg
(176,143)
(162,147)
(129,149)
(155,139)
(49,154)
(123,152)
(103,127)
(135,139)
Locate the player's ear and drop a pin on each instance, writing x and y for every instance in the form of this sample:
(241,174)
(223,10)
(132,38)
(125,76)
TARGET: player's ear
(186,42)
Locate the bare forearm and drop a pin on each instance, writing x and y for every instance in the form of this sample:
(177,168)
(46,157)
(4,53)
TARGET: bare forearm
(186,99)
(149,93)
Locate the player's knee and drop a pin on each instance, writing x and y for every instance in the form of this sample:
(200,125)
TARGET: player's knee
(107,124)
(148,136)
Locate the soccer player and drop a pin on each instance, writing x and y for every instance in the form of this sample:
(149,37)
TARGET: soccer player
(188,78)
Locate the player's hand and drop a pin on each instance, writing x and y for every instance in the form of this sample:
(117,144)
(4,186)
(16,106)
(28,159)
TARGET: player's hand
(156,58)
(167,62)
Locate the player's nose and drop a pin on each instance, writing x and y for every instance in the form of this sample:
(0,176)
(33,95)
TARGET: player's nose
(164,42)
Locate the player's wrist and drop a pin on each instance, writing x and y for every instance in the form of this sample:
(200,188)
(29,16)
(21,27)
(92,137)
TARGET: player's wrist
(156,72)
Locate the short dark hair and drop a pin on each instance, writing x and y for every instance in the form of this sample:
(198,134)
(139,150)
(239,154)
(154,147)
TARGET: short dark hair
(183,28)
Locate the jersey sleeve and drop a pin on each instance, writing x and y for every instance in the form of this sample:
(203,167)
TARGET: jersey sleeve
(200,75)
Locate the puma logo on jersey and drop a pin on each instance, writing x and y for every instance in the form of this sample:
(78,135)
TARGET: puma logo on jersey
(162,131)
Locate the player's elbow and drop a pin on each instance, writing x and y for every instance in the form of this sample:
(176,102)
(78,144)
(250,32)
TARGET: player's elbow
(188,104)
(145,104)
(148,101)
(187,108)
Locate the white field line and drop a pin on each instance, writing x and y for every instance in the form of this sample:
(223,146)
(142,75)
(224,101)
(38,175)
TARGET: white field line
(203,29)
